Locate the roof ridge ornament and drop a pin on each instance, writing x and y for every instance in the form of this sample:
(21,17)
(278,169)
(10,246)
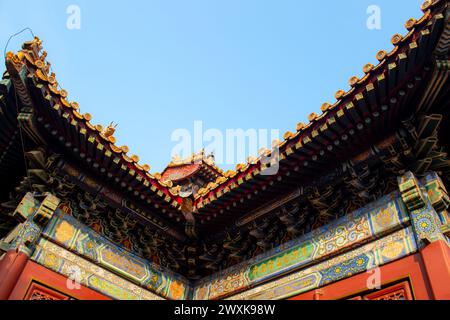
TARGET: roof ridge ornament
(108,132)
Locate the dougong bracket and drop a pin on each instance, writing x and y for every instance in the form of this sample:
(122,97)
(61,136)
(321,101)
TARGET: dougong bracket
(425,220)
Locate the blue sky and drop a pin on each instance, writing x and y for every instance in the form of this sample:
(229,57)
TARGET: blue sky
(157,66)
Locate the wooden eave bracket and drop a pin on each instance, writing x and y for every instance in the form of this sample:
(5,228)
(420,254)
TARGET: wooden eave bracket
(4,247)
(445,229)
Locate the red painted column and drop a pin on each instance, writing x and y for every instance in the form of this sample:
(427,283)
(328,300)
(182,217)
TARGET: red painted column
(35,274)
(436,258)
(11,267)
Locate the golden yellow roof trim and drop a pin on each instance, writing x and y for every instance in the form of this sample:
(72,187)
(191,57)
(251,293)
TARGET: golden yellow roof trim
(354,81)
(168,183)
(116,149)
(230,173)
(288,135)
(313,117)
(339,94)
(325,107)
(300,126)
(396,38)
(175,190)
(427,4)
(87,117)
(42,73)
(381,55)
(263,151)
(78,115)
(195,158)
(410,23)
(221,180)
(368,67)
(157,175)
(135,158)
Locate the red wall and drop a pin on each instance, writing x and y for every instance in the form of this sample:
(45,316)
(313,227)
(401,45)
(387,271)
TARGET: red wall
(21,277)
(428,273)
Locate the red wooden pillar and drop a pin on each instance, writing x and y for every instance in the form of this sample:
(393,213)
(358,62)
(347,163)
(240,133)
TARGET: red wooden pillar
(436,258)
(35,277)
(11,267)
(317,294)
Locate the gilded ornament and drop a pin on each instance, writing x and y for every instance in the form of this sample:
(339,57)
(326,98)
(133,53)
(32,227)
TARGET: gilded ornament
(64,232)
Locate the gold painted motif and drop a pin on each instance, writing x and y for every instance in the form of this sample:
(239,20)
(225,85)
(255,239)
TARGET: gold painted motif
(176,290)
(64,232)
(123,263)
(62,261)
(51,260)
(392,250)
(202,293)
(384,217)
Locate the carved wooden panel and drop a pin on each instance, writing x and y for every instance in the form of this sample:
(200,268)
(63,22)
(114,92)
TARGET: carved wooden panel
(399,291)
(37,291)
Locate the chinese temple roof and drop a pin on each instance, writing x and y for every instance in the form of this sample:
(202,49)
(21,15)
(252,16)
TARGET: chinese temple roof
(351,105)
(348,105)
(197,161)
(348,155)
(189,174)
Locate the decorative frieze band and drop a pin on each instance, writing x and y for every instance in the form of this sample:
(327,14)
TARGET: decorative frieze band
(67,232)
(373,221)
(374,254)
(83,272)
(382,231)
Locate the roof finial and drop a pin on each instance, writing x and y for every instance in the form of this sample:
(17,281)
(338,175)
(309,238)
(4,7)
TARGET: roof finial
(176,158)
(110,130)
(211,158)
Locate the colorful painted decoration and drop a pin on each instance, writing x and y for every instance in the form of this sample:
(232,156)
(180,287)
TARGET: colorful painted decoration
(425,220)
(88,274)
(385,215)
(377,253)
(359,186)
(67,232)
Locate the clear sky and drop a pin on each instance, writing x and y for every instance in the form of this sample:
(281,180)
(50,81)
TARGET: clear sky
(157,66)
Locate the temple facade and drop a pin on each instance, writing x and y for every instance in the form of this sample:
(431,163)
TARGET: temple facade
(351,205)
